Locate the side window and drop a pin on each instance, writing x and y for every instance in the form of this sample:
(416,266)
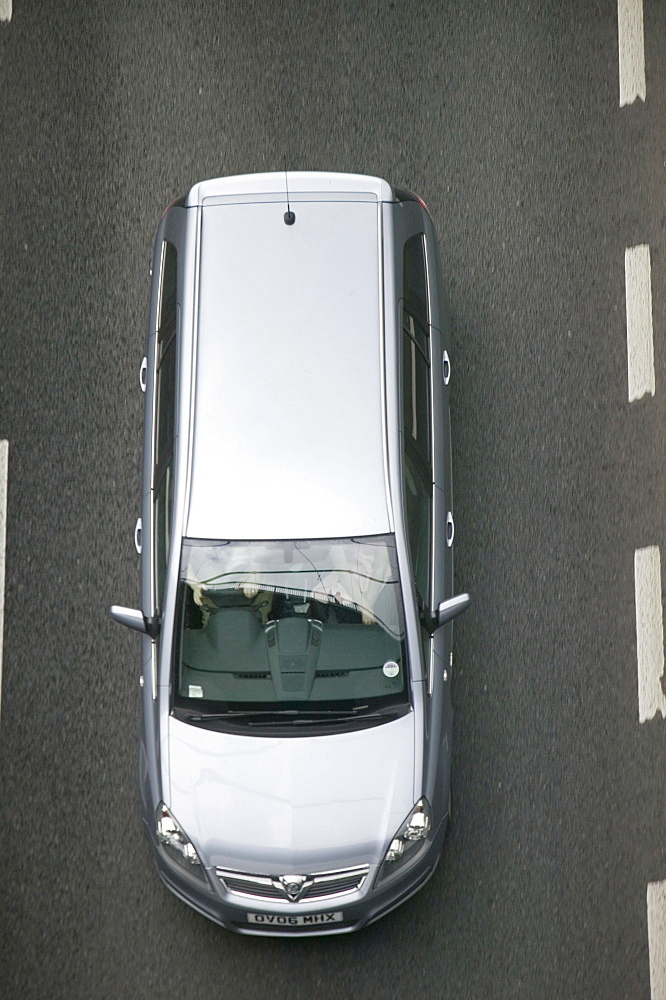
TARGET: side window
(165,388)
(162,531)
(415,280)
(418,504)
(168,290)
(416,389)
(416,416)
(165,419)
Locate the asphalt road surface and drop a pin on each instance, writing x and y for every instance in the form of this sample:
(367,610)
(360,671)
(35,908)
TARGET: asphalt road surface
(506,119)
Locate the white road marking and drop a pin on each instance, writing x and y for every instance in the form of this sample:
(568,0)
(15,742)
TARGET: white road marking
(4,463)
(649,633)
(631,47)
(5,10)
(656,912)
(640,346)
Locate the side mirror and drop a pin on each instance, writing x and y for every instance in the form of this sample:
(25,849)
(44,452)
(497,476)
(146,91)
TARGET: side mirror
(135,620)
(452,608)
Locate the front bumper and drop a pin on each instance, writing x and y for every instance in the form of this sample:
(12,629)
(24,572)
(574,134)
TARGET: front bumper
(358,909)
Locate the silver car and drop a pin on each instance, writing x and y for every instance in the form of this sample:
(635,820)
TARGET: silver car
(296,552)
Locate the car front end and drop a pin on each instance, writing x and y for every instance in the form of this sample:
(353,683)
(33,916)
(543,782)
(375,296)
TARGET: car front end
(331,860)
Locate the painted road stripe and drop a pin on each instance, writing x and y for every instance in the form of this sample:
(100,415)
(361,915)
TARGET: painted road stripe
(631,49)
(5,10)
(649,633)
(4,464)
(656,912)
(640,346)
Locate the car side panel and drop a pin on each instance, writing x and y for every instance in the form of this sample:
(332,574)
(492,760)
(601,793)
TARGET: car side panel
(410,219)
(150,757)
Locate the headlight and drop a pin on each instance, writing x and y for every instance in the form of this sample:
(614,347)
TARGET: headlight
(409,842)
(178,849)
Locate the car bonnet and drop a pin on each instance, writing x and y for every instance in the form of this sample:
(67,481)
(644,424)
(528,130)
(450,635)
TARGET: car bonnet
(291,804)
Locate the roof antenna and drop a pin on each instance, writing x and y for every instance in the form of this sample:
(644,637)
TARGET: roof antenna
(289,216)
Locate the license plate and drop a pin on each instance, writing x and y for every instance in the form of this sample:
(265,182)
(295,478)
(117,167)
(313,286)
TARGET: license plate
(295,920)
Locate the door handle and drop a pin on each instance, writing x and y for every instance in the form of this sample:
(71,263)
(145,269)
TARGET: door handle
(446,367)
(138,529)
(450,529)
(143,374)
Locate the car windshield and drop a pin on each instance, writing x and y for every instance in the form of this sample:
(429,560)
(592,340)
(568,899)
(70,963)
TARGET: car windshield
(290,625)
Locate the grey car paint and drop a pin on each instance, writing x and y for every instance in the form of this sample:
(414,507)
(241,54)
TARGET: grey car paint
(248,802)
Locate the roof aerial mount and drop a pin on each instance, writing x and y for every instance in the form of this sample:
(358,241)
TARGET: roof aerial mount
(289,217)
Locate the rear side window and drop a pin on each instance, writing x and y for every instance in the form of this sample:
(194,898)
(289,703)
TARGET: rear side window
(168,290)
(415,282)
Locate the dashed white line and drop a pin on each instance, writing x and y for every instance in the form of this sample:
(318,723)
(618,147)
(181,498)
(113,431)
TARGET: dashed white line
(640,346)
(5,10)
(649,633)
(647,562)
(4,463)
(656,913)
(631,48)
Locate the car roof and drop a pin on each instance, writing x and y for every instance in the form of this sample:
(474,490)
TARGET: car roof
(288,435)
(311,185)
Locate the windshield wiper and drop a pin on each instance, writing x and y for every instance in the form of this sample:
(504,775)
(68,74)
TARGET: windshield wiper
(290,716)
(312,717)
(233,714)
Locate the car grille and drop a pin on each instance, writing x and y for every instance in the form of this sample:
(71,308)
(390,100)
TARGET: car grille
(322,885)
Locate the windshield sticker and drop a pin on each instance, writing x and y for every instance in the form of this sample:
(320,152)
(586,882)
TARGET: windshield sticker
(195,691)
(391,668)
